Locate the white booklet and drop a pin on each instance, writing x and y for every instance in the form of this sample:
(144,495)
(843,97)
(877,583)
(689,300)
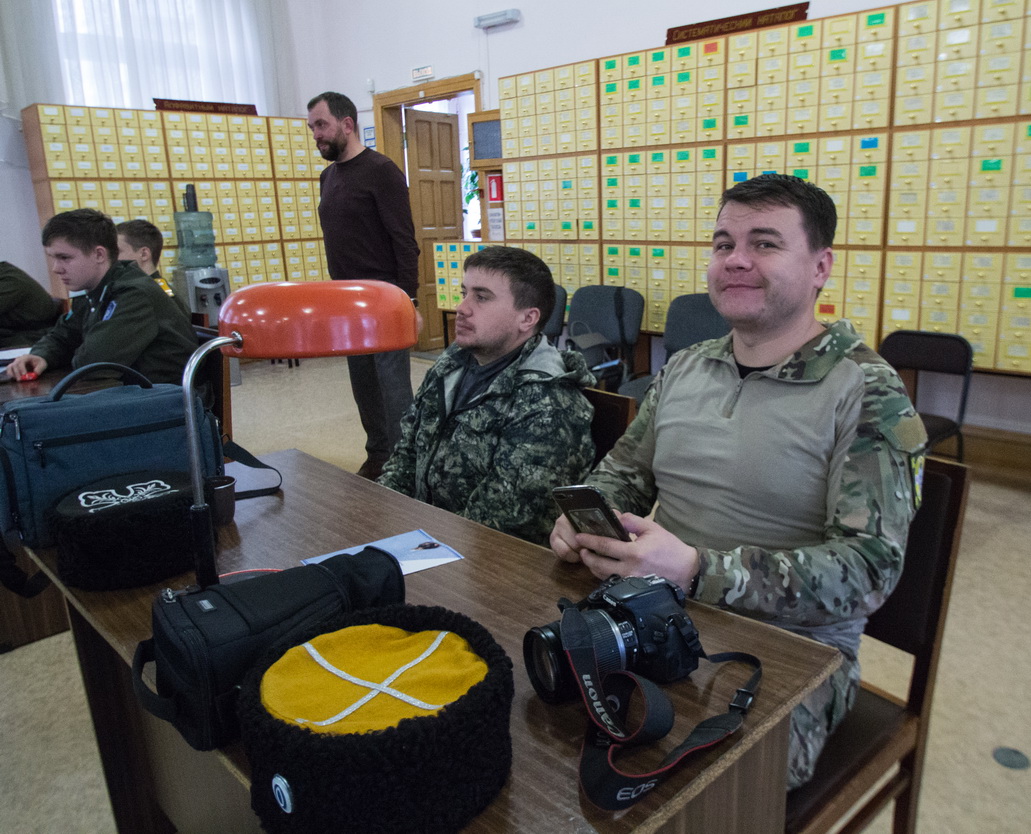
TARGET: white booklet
(415,551)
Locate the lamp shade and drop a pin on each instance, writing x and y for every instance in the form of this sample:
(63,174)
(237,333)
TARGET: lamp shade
(321,318)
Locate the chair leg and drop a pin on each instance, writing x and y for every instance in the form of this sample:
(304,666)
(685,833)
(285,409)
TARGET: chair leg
(959,447)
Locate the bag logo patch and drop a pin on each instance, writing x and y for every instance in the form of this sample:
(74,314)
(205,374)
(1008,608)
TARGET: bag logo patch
(104,499)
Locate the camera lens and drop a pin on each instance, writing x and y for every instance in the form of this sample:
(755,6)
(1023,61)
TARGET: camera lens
(610,641)
(546,664)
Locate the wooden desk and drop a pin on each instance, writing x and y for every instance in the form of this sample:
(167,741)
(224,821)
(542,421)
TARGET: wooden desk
(505,584)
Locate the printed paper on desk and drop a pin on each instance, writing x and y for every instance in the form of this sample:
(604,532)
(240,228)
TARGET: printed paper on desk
(416,550)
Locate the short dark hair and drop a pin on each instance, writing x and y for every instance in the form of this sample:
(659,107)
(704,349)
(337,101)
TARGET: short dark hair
(339,105)
(819,216)
(529,277)
(85,229)
(139,233)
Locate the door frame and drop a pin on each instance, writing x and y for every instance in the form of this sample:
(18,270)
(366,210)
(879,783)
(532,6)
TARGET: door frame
(386,109)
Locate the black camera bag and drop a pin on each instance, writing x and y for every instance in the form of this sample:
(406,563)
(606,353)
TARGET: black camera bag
(205,639)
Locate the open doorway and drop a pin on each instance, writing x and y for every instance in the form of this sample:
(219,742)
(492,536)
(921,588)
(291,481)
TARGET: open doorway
(434,138)
(461,105)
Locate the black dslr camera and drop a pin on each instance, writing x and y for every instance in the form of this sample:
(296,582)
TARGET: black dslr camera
(637,624)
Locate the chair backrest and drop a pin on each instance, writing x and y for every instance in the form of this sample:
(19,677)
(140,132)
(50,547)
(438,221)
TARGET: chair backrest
(922,350)
(613,312)
(553,326)
(913,617)
(214,374)
(612,414)
(691,319)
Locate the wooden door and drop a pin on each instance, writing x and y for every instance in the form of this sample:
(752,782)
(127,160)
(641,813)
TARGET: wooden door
(435,189)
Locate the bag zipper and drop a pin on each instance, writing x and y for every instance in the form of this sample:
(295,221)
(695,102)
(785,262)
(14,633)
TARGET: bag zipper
(41,445)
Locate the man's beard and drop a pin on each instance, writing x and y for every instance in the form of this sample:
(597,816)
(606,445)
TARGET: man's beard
(331,152)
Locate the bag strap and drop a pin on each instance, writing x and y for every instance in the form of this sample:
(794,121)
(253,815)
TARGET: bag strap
(128,375)
(603,782)
(234,451)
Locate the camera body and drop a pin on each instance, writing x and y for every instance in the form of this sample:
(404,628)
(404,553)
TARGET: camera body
(637,623)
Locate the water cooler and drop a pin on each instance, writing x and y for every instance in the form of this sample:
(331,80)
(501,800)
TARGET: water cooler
(197,279)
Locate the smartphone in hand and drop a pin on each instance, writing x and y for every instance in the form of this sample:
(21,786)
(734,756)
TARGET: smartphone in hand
(588,511)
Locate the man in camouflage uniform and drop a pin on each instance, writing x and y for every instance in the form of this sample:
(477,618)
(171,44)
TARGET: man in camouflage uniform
(785,458)
(500,418)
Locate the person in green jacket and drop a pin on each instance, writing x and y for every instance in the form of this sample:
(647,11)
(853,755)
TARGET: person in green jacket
(124,317)
(782,462)
(501,418)
(27,310)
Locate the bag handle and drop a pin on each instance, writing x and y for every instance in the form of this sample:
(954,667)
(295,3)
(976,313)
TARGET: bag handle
(154,704)
(128,374)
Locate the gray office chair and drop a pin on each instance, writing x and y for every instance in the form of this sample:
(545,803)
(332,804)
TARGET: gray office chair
(691,319)
(944,353)
(557,320)
(604,325)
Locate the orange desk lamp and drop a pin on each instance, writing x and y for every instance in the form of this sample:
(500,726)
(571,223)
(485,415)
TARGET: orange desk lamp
(291,321)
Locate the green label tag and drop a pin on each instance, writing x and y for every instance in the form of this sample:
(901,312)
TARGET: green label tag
(659,156)
(708,124)
(658,80)
(684,52)
(633,60)
(612,250)
(868,170)
(805,31)
(658,253)
(740,121)
(1022,292)
(531,226)
(635,202)
(612,182)
(708,153)
(566,226)
(801,147)
(567,184)
(635,251)
(613,272)
(838,54)
(991,165)
(659,56)
(612,160)
(683,156)
(683,78)
(612,204)
(875,19)
(588,224)
(611,87)
(610,64)
(634,158)
(633,84)
(801,173)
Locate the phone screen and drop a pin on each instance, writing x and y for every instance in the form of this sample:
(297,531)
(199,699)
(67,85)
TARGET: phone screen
(592,520)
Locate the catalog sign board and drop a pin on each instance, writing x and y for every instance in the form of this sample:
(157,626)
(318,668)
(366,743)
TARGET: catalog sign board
(739,23)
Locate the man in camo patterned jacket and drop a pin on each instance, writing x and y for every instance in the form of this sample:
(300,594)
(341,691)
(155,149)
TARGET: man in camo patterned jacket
(500,418)
(784,460)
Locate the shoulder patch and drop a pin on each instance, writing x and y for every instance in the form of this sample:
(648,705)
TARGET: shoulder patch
(908,434)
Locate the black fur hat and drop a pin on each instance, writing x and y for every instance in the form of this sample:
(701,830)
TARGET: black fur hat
(429,772)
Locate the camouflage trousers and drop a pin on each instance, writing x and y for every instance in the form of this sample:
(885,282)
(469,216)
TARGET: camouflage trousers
(815,719)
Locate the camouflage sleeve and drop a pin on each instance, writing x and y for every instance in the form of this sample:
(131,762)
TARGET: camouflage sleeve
(853,571)
(546,443)
(399,470)
(625,473)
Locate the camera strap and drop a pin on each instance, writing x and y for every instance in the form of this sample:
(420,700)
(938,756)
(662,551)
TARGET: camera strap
(608,704)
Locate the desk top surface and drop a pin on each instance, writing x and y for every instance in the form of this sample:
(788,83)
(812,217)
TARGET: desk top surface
(509,586)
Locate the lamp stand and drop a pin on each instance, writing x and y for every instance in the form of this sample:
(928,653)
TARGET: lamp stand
(200,512)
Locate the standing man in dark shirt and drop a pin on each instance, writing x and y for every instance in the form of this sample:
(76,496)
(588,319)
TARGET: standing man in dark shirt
(367,225)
